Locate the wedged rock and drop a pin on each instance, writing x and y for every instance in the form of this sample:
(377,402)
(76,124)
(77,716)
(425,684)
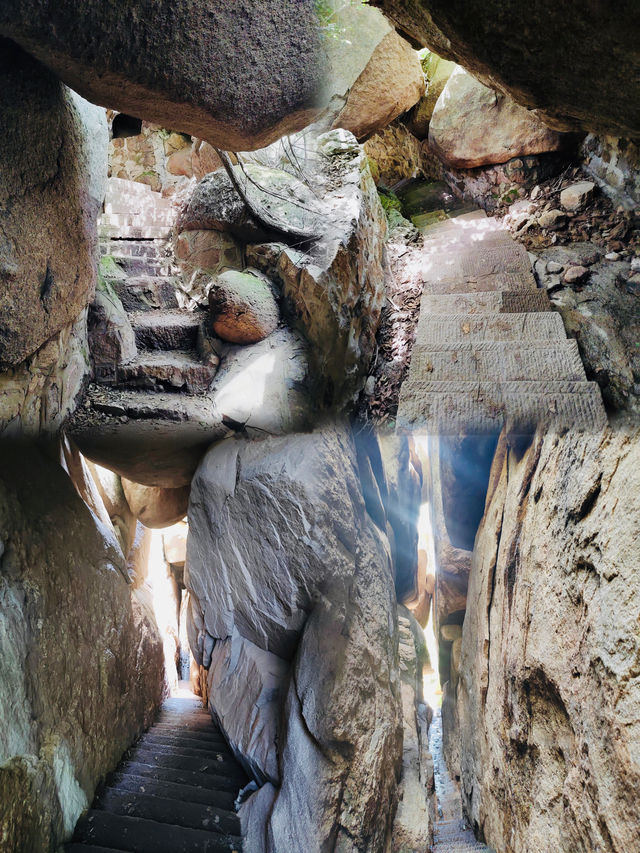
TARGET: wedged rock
(110,334)
(548,696)
(576,196)
(263,585)
(203,159)
(214,204)
(473,126)
(334,292)
(404,483)
(80,655)
(269,56)
(51,186)
(242,308)
(390,84)
(342,740)
(154,506)
(213,251)
(413,822)
(560,84)
(174,542)
(110,489)
(436,71)
(245,689)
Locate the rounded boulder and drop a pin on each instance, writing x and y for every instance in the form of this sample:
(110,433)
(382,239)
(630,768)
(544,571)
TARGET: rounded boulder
(243,308)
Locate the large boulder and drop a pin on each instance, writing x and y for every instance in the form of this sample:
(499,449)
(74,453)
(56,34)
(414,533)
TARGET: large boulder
(473,125)
(242,307)
(237,75)
(333,291)
(580,70)
(436,71)
(52,182)
(155,506)
(80,654)
(391,83)
(548,697)
(110,333)
(214,204)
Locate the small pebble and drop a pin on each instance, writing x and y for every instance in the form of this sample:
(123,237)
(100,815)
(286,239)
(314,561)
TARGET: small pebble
(612,256)
(575,274)
(554,267)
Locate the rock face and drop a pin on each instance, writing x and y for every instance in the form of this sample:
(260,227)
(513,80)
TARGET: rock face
(238,77)
(156,507)
(334,292)
(391,83)
(548,696)
(494,43)
(81,658)
(243,308)
(473,125)
(215,205)
(397,154)
(292,610)
(436,71)
(51,186)
(110,334)
(615,165)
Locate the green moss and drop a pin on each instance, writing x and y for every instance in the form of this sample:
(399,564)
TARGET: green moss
(389,200)
(108,269)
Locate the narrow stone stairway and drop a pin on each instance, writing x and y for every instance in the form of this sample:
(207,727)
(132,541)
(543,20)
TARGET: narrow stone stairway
(489,350)
(451,832)
(173,792)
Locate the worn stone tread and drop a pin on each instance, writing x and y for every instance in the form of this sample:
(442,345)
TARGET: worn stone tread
(194,741)
(122,781)
(445,329)
(454,411)
(167,329)
(179,777)
(187,763)
(498,362)
(138,835)
(207,751)
(485,302)
(166,370)
(146,292)
(167,810)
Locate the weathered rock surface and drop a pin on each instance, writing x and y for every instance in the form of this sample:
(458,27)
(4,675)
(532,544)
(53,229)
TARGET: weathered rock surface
(110,489)
(334,291)
(211,251)
(203,159)
(548,696)
(289,578)
(413,823)
(80,656)
(110,334)
(51,186)
(436,71)
(390,84)
(242,307)
(397,154)
(238,77)
(494,43)
(215,204)
(154,506)
(37,395)
(615,165)
(473,126)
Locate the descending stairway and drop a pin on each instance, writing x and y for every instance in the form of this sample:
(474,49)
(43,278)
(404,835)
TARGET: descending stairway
(451,832)
(173,792)
(489,350)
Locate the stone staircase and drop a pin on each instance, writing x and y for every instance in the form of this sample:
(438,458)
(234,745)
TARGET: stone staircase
(489,350)
(451,833)
(173,792)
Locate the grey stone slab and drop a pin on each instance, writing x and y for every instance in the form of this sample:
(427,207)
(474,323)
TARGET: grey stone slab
(475,412)
(445,329)
(487,302)
(498,362)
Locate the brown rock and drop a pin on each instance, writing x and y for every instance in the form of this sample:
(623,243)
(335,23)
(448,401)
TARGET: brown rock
(155,506)
(243,308)
(204,159)
(391,83)
(275,72)
(574,275)
(473,126)
(548,699)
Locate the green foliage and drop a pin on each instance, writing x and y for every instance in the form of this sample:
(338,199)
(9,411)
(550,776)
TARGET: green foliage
(389,201)
(326,11)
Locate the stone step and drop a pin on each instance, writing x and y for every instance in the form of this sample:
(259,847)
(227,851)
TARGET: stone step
(498,362)
(134,232)
(486,302)
(136,248)
(227,772)
(181,776)
(89,848)
(166,810)
(167,329)
(218,758)
(155,741)
(125,220)
(446,329)
(482,408)
(146,292)
(124,185)
(121,781)
(138,835)
(170,731)
(503,266)
(177,370)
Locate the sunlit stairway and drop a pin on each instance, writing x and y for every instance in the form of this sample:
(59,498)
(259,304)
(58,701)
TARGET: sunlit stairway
(173,792)
(489,350)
